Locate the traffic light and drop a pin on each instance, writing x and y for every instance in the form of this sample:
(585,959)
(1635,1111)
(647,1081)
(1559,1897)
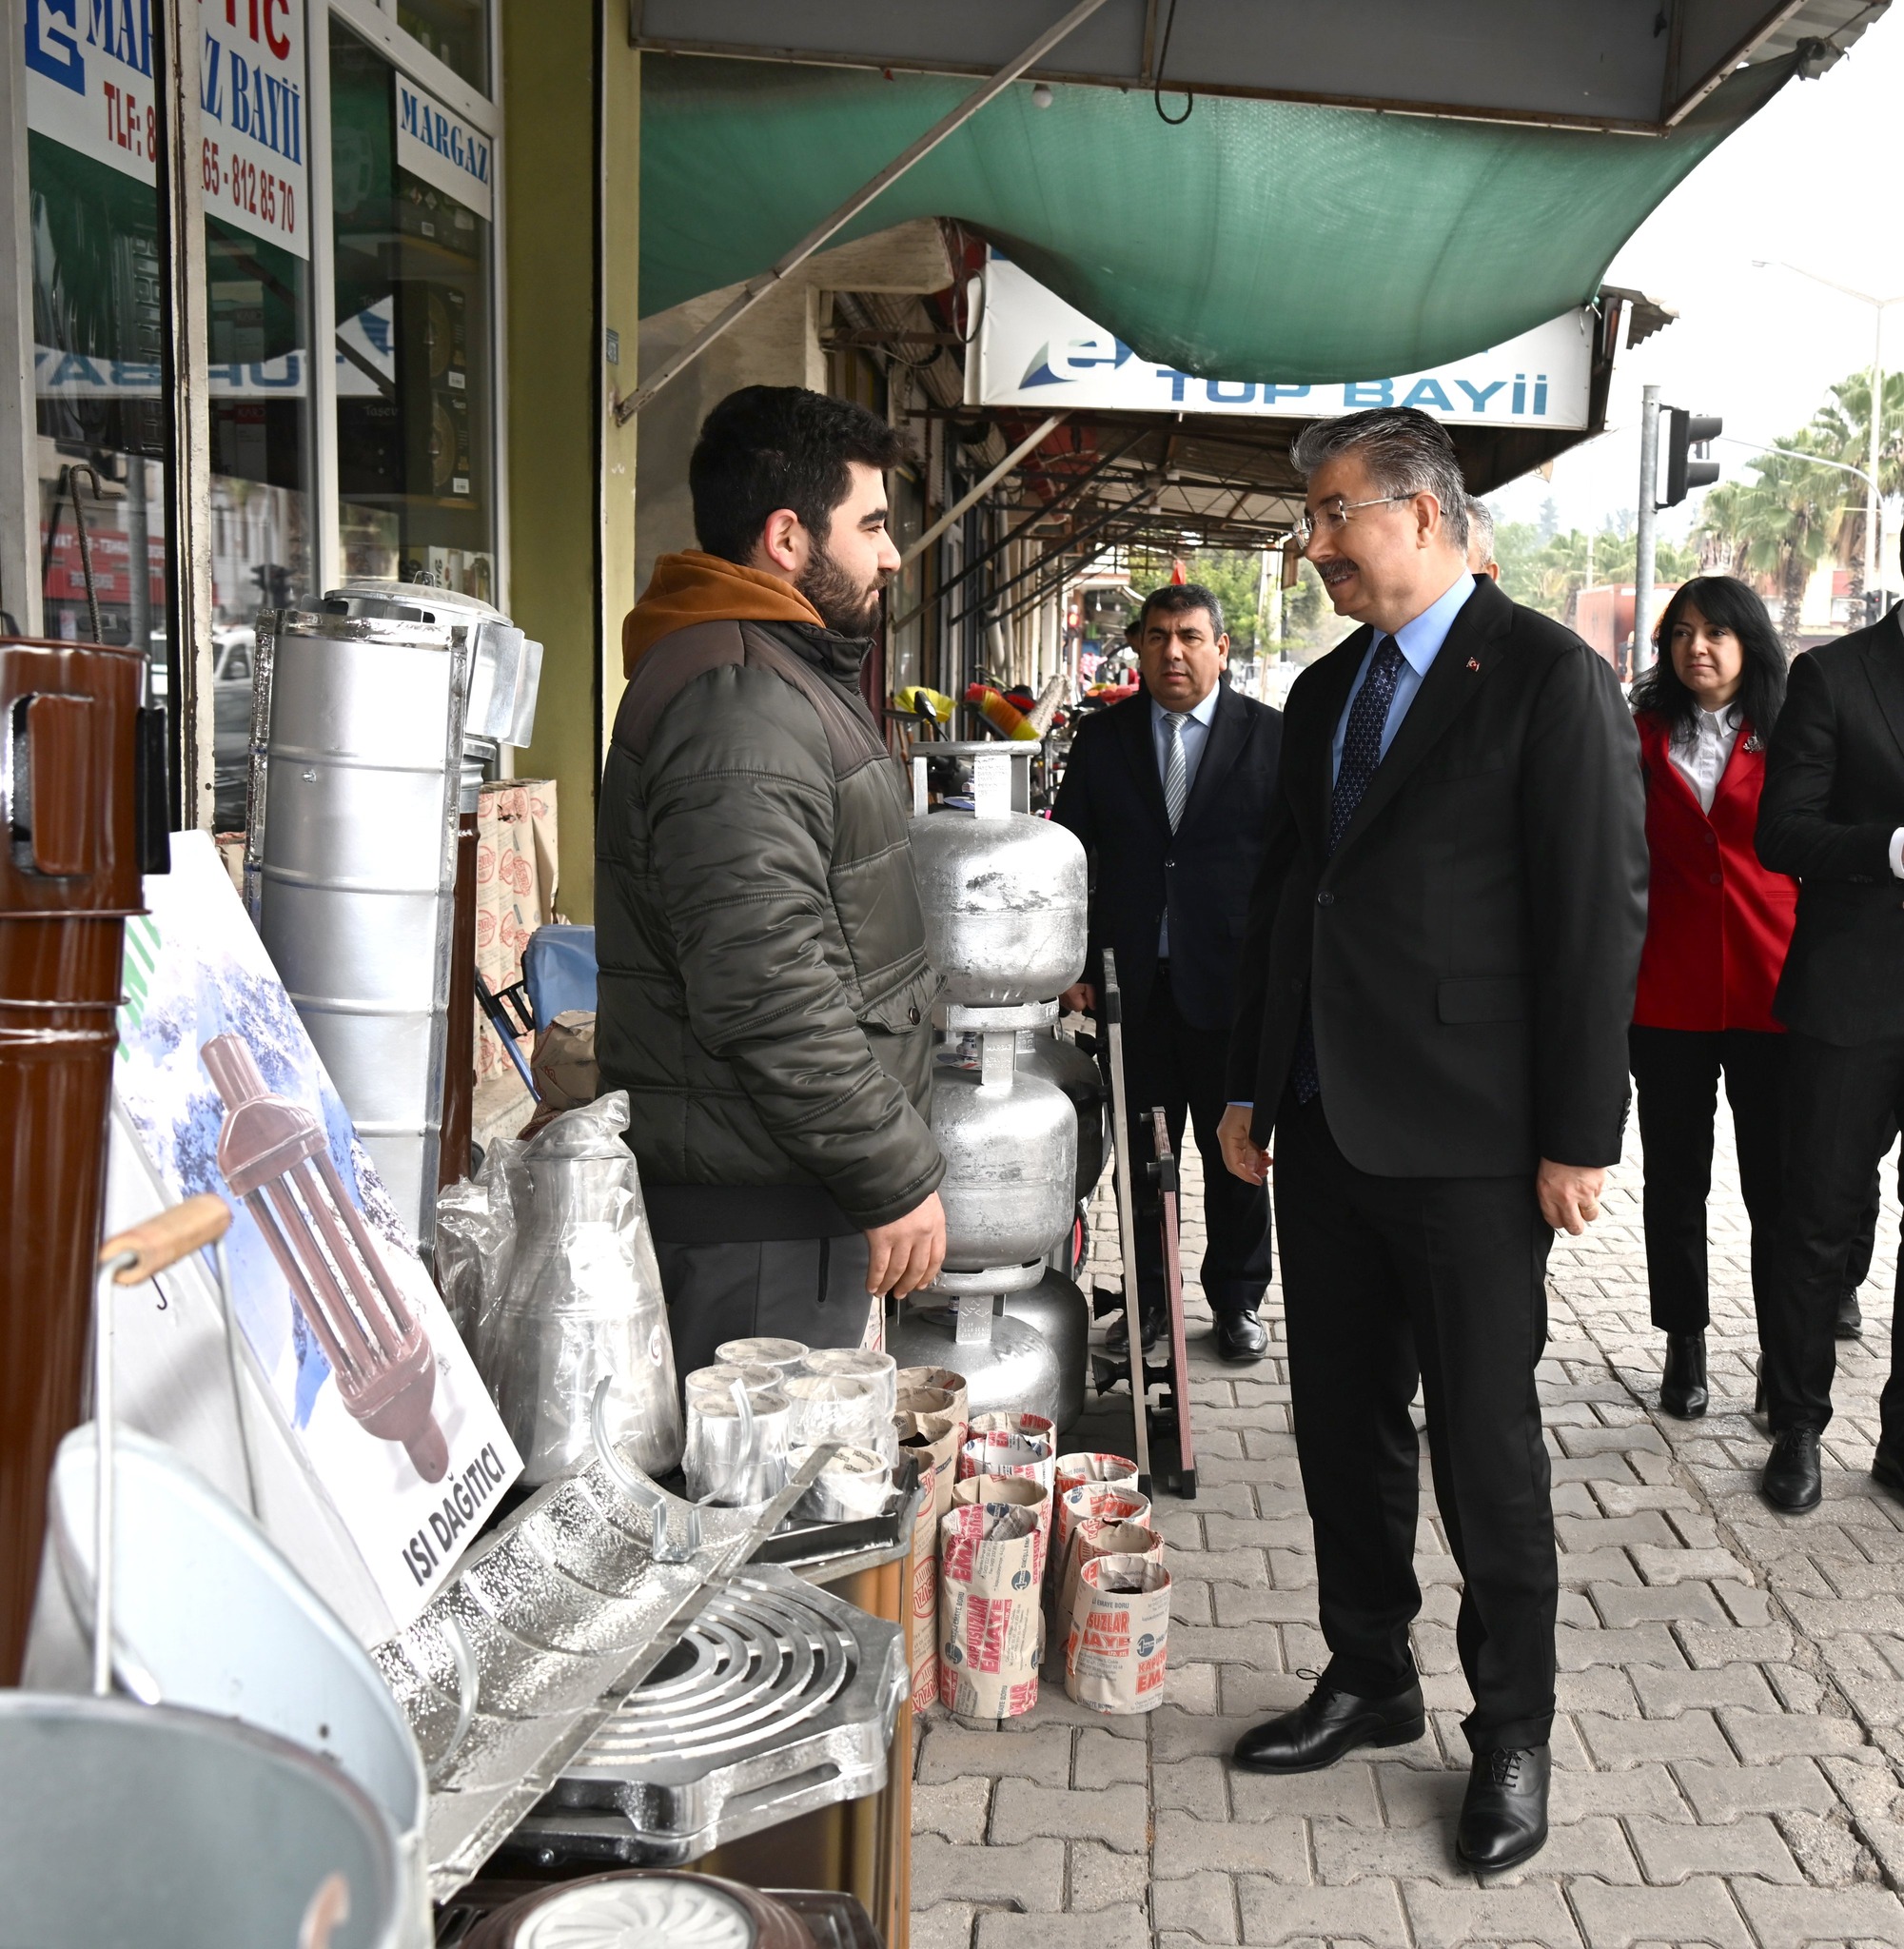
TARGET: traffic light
(1685,431)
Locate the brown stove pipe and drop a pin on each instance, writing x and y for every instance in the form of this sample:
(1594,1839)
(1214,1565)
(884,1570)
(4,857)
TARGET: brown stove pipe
(72,845)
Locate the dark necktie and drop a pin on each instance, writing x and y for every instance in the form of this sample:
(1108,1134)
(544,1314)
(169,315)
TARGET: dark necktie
(1360,755)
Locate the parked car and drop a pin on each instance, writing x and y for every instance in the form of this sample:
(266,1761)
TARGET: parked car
(234,648)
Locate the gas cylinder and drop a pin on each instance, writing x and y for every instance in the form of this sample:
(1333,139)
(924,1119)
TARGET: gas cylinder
(1060,1314)
(1009,1141)
(1056,1058)
(1004,895)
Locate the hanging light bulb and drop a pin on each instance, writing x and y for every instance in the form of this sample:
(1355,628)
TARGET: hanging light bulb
(1041,95)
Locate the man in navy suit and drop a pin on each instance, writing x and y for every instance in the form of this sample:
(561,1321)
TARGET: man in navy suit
(1170,793)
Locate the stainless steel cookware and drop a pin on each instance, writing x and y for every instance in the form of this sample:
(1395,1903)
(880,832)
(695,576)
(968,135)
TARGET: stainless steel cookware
(372,716)
(124,1823)
(778,1697)
(583,1301)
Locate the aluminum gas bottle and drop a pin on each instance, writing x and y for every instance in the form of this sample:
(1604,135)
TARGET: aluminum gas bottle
(1056,1058)
(1061,1316)
(1004,895)
(1009,1141)
(1013,1366)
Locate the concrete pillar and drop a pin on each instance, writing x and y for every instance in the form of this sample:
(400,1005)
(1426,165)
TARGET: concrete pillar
(571,232)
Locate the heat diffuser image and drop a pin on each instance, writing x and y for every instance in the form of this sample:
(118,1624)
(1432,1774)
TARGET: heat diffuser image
(274,1156)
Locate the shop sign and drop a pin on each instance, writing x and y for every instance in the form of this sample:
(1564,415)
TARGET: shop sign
(1035,350)
(198,975)
(435,143)
(80,376)
(89,86)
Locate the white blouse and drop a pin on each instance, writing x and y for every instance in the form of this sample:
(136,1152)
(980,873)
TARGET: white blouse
(1701,753)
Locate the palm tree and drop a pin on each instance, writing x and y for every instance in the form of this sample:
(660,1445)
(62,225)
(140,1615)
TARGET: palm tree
(1840,430)
(1783,523)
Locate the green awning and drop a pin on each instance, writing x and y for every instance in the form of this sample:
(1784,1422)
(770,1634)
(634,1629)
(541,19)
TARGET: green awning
(1257,241)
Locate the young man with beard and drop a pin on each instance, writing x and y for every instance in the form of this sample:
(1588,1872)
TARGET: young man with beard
(765,998)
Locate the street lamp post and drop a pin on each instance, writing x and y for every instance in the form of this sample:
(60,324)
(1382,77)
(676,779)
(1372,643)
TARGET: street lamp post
(1874,573)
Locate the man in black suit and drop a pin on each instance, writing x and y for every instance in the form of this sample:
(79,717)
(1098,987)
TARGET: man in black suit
(1436,990)
(1170,792)
(1831,813)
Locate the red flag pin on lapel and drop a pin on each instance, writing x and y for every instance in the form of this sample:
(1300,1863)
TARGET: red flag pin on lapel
(1474,662)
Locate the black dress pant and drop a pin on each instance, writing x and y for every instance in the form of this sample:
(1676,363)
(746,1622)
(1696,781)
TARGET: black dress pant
(1842,1110)
(794,1289)
(1676,1073)
(1385,1280)
(1171,1064)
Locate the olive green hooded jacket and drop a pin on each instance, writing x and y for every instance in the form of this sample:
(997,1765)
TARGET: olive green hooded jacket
(765,997)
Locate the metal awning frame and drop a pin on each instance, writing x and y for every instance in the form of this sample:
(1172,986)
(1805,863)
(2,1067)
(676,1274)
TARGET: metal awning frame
(1681,91)
(829,226)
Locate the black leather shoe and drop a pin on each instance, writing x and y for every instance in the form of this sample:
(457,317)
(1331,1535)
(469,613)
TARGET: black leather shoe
(1504,1816)
(1887,1470)
(1792,1479)
(1328,1724)
(1850,1322)
(1117,1336)
(1682,1385)
(1241,1337)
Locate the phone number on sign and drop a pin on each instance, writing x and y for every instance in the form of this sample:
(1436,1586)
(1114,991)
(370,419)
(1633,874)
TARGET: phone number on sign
(248,187)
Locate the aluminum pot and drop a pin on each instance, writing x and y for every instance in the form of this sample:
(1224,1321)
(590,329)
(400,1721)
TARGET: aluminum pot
(176,1830)
(1059,1313)
(1014,1367)
(350,865)
(1056,1058)
(1011,1151)
(1005,904)
(584,1300)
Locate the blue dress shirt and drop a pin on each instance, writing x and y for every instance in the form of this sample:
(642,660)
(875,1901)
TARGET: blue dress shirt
(1420,642)
(1196,735)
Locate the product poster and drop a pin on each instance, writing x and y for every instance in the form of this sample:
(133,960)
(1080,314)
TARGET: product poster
(369,1377)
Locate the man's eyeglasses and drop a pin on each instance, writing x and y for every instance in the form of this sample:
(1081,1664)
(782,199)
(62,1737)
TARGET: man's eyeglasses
(1333,514)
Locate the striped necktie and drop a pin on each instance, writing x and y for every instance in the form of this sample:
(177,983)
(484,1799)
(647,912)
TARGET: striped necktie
(1176,769)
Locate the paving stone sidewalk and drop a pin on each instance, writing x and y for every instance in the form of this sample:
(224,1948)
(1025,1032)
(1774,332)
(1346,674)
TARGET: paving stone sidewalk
(1728,1755)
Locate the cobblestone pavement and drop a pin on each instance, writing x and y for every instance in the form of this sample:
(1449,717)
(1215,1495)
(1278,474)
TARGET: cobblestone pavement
(1728,1755)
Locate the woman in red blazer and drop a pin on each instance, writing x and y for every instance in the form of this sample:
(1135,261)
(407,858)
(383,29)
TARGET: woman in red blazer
(1717,930)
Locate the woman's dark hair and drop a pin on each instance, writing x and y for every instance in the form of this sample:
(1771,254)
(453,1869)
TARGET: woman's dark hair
(1728,603)
(771,446)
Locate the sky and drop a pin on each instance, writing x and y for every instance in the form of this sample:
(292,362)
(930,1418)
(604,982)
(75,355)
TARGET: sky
(1811,180)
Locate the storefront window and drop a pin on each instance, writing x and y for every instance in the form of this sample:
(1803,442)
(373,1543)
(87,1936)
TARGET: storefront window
(96,319)
(412,186)
(456,31)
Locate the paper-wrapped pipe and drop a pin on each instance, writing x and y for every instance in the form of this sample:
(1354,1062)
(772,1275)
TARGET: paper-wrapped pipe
(1098,1536)
(944,1378)
(1118,1643)
(1003,1425)
(989,1626)
(1093,1466)
(1100,1499)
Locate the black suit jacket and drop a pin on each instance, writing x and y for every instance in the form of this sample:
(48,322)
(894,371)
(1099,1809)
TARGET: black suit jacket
(1834,795)
(1112,798)
(1472,949)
